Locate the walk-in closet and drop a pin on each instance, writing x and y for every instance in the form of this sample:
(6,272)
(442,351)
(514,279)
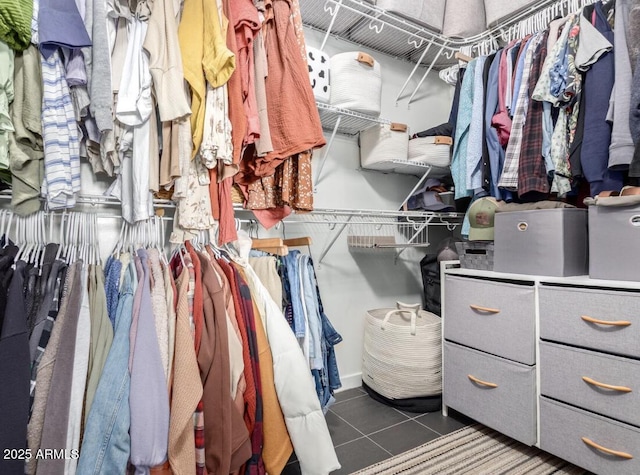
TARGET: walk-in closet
(319,237)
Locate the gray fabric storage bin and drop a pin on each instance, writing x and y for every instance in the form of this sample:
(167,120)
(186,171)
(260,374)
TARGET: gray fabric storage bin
(499,10)
(562,369)
(542,242)
(562,428)
(464,18)
(614,242)
(427,13)
(561,318)
(509,408)
(509,332)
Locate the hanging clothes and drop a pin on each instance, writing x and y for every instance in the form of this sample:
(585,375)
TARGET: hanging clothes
(106,445)
(187,386)
(14,371)
(621,149)
(149,415)
(227,444)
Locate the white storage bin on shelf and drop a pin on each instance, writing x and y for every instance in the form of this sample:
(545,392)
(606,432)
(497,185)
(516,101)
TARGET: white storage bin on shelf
(434,151)
(383,143)
(356,82)
(319,70)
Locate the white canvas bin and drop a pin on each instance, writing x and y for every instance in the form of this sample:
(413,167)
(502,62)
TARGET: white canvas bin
(402,355)
(434,151)
(319,70)
(382,143)
(356,83)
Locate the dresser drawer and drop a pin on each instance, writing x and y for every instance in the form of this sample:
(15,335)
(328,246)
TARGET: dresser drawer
(495,317)
(563,427)
(567,314)
(492,390)
(563,368)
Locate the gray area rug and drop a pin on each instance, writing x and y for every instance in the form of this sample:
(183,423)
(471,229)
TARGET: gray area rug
(475,450)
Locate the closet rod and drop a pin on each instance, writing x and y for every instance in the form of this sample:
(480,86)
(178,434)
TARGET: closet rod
(96,200)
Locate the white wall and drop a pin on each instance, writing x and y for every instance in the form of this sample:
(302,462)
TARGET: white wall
(350,283)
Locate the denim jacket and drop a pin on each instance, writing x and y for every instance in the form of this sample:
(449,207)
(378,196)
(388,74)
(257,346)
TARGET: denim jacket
(106,442)
(327,379)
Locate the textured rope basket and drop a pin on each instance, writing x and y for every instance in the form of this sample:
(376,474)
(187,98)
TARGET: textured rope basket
(402,355)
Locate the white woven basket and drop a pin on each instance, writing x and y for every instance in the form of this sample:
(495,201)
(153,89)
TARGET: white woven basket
(382,143)
(434,151)
(356,83)
(402,355)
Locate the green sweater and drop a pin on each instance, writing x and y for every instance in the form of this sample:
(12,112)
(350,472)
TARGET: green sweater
(15,23)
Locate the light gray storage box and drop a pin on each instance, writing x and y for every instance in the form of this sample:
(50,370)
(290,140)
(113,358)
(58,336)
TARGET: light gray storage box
(564,428)
(542,242)
(605,384)
(499,10)
(429,14)
(614,242)
(464,18)
(494,391)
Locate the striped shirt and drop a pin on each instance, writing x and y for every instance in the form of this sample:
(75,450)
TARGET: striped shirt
(61,137)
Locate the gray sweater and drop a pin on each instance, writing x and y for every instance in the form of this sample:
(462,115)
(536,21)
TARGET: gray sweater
(621,148)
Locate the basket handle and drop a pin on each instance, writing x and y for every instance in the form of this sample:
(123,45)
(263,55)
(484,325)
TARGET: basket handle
(403,308)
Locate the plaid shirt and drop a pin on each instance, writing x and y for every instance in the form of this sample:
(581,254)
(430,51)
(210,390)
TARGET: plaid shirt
(532,172)
(509,178)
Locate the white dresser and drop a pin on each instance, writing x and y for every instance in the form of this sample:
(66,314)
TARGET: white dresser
(549,361)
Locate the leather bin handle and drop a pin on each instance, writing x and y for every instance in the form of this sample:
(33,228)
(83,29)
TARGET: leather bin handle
(484,309)
(619,323)
(481,382)
(593,382)
(599,447)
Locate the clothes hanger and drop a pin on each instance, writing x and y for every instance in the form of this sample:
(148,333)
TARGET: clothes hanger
(97,241)
(159,235)
(43,239)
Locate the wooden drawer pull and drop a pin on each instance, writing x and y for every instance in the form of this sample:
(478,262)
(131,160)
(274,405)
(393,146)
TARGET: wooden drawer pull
(484,309)
(619,323)
(591,443)
(622,389)
(483,383)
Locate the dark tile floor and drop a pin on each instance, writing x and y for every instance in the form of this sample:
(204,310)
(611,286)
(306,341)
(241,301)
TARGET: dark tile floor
(365,431)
